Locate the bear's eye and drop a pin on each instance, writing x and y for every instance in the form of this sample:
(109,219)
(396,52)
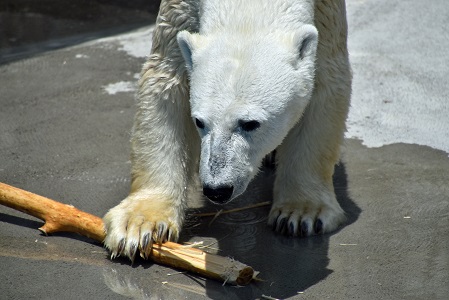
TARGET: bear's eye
(199,124)
(249,125)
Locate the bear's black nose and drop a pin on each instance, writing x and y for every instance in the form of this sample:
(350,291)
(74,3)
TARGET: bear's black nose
(220,194)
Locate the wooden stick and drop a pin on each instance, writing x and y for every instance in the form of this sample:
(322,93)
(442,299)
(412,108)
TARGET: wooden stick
(59,217)
(222,212)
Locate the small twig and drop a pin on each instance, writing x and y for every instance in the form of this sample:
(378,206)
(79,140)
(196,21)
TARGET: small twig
(208,246)
(200,245)
(192,245)
(215,217)
(177,273)
(269,297)
(221,212)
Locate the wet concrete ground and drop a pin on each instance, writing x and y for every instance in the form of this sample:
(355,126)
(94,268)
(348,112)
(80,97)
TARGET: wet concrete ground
(66,110)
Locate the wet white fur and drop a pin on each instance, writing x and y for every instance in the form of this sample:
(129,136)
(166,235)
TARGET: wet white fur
(246,60)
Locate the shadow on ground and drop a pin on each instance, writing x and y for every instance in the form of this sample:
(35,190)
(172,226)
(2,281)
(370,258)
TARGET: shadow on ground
(287,265)
(28,28)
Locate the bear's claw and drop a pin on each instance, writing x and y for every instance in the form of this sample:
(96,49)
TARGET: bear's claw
(304,229)
(289,228)
(136,224)
(291,222)
(319,226)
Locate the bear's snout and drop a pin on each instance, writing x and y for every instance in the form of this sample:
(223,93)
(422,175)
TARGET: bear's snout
(220,194)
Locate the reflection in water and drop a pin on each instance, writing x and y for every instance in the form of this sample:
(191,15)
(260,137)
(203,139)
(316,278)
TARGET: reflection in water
(123,286)
(246,217)
(243,240)
(129,285)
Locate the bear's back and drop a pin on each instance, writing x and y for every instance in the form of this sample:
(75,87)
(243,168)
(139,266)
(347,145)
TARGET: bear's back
(254,15)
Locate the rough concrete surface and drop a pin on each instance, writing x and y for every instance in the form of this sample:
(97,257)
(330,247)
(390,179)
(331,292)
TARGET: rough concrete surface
(66,110)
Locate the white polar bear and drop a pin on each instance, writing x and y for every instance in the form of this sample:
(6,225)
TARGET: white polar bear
(264,75)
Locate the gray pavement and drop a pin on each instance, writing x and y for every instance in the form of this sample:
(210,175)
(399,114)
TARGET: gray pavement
(66,110)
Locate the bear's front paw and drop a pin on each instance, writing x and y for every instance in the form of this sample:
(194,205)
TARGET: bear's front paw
(136,223)
(305,218)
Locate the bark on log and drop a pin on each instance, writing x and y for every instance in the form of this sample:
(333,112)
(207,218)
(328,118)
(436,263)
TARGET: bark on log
(59,217)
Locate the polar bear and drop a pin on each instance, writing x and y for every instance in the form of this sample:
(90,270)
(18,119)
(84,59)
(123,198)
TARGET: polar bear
(227,83)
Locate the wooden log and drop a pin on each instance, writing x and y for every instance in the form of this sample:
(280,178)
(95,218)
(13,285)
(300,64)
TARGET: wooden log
(59,217)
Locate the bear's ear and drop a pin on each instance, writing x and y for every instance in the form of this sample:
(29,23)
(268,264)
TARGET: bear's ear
(306,41)
(187,43)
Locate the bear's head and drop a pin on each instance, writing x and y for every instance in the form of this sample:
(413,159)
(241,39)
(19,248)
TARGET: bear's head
(246,93)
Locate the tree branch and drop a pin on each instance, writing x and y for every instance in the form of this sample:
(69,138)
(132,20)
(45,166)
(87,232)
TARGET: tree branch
(59,217)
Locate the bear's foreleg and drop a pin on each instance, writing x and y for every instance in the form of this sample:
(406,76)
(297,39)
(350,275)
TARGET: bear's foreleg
(304,199)
(165,144)
(164,149)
